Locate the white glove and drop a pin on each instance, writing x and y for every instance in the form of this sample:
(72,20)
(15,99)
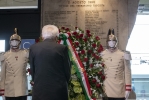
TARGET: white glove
(127,94)
(3,98)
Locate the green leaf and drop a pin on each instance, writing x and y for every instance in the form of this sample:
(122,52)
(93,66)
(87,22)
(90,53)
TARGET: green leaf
(77,89)
(73,70)
(80,97)
(75,83)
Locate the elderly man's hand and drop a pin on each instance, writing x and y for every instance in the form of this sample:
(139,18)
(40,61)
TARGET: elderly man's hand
(32,83)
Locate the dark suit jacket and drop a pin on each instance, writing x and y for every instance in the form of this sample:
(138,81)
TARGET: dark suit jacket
(50,70)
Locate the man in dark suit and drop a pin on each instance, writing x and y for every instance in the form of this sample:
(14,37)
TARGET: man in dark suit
(50,67)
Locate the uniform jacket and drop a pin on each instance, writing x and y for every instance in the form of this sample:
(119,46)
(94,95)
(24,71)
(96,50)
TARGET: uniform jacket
(118,73)
(13,73)
(50,70)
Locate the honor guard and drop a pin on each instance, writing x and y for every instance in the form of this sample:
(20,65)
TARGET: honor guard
(13,73)
(117,69)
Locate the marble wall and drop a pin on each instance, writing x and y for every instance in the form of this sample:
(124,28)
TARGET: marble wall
(94,15)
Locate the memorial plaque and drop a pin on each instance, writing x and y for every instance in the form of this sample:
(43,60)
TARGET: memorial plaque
(94,15)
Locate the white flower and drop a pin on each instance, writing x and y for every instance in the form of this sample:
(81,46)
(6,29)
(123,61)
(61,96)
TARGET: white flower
(91,40)
(80,45)
(91,60)
(94,91)
(84,63)
(77,30)
(80,32)
(95,51)
(96,48)
(97,65)
(97,79)
(88,45)
(77,48)
(71,32)
(89,69)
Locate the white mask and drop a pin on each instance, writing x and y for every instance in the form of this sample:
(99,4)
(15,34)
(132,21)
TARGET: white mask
(111,44)
(14,43)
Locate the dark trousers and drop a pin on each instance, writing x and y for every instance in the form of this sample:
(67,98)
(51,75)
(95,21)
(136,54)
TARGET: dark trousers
(113,98)
(17,98)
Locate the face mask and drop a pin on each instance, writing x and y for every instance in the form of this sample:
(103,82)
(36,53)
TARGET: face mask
(14,43)
(111,43)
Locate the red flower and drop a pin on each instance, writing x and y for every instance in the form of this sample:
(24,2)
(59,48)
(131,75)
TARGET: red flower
(63,28)
(103,64)
(103,77)
(77,36)
(94,80)
(76,27)
(91,65)
(97,57)
(94,98)
(98,85)
(67,29)
(94,45)
(88,34)
(100,48)
(93,54)
(100,73)
(74,33)
(85,59)
(89,51)
(85,39)
(87,31)
(76,44)
(69,34)
(81,35)
(97,38)
(82,52)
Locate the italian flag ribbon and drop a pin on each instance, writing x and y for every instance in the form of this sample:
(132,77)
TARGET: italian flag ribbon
(81,73)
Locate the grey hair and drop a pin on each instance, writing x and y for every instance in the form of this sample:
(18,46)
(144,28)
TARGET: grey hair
(50,31)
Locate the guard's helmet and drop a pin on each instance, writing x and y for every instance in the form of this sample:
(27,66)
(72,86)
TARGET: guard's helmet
(15,40)
(111,37)
(15,36)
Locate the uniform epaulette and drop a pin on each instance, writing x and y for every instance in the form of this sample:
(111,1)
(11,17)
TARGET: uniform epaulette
(127,55)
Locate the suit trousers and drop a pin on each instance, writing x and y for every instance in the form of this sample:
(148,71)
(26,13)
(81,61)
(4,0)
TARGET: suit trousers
(113,98)
(17,98)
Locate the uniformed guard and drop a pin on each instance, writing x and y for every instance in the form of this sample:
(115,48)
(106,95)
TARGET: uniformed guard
(13,73)
(117,69)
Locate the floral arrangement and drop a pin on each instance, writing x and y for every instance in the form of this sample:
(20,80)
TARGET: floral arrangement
(88,49)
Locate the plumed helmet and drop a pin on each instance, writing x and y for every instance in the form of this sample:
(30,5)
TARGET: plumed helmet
(111,37)
(15,36)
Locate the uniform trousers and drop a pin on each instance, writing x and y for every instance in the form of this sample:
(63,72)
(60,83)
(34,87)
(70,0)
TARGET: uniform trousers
(17,98)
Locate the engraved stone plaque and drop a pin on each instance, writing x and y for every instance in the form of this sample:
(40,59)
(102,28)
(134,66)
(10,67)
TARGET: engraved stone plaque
(94,15)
